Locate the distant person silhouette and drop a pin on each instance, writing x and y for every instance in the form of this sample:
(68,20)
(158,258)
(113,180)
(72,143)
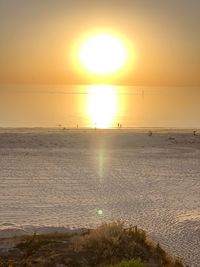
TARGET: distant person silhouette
(195,133)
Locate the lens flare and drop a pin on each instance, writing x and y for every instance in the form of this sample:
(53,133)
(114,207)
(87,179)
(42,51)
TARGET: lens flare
(100,212)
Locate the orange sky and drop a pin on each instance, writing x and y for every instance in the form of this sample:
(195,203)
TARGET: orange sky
(37,37)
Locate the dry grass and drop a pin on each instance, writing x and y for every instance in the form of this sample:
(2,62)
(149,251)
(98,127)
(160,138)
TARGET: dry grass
(109,245)
(128,263)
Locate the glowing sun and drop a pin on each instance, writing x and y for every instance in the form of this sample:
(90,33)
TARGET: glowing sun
(103,54)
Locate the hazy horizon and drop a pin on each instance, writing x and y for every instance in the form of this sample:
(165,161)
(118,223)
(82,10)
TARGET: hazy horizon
(42,48)
(50,106)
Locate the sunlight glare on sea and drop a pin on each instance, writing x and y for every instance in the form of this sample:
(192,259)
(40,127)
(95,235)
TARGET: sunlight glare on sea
(99,106)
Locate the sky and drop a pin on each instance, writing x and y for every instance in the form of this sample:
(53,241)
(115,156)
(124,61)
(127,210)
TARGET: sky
(37,38)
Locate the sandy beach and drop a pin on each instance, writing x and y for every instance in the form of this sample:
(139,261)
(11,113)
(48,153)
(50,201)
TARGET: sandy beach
(59,179)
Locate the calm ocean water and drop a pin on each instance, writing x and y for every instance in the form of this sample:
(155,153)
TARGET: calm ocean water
(51,105)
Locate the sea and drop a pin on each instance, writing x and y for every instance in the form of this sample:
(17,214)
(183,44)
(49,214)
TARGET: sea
(67,106)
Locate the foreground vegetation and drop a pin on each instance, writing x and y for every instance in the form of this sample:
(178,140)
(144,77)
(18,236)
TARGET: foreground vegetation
(128,263)
(110,245)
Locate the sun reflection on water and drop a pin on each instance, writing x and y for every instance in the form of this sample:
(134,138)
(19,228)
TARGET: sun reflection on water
(102,105)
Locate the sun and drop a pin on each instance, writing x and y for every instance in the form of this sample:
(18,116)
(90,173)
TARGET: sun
(103,54)
(102,105)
